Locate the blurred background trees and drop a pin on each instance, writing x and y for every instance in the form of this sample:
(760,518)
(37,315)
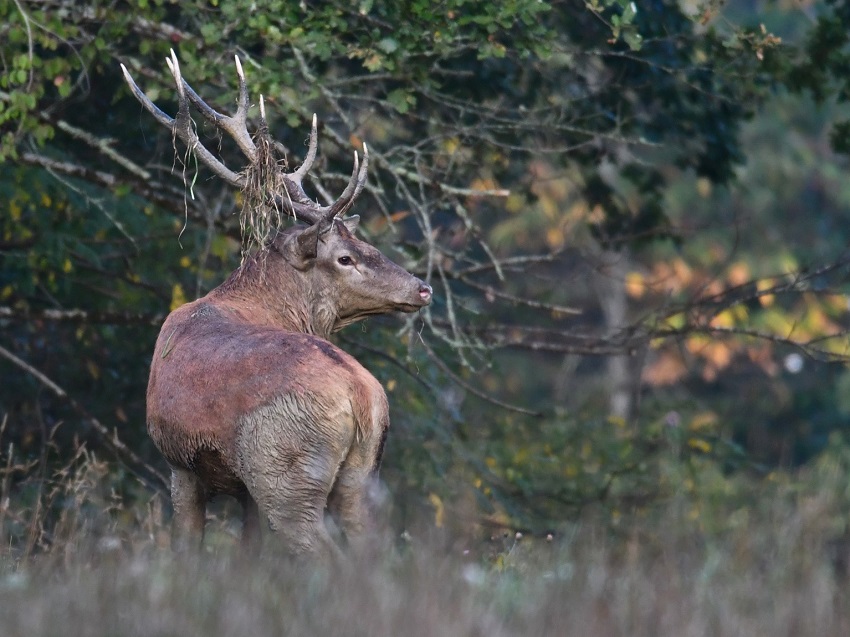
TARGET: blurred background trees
(633,216)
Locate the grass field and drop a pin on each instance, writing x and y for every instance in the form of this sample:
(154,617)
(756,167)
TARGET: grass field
(771,580)
(77,559)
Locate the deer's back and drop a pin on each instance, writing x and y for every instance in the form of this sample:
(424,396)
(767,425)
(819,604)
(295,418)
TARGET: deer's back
(210,372)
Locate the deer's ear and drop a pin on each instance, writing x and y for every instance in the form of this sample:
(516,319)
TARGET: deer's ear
(351,223)
(307,244)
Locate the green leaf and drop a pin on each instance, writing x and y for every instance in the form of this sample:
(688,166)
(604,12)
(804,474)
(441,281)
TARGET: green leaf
(210,32)
(401,100)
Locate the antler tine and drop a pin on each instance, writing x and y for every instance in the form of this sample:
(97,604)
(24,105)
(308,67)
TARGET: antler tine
(362,175)
(354,187)
(302,171)
(182,125)
(183,128)
(153,109)
(355,184)
(263,123)
(236,125)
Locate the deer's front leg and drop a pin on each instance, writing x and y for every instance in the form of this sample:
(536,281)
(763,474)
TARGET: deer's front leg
(352,501)
(251,531)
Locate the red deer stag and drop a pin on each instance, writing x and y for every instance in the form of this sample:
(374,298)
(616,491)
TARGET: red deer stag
(246,396)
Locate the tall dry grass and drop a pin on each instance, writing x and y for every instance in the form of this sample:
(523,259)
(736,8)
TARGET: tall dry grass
(82,555)
(585,585)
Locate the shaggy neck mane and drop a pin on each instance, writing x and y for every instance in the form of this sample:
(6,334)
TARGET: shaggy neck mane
(267,290)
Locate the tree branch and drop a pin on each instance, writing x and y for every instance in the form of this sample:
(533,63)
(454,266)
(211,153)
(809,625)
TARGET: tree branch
(77,315)
(473,390)
(103,146)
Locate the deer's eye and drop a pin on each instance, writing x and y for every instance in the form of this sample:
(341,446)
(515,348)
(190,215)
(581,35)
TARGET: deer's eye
(345,260)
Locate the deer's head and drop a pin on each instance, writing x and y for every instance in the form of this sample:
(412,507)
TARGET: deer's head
(354,279)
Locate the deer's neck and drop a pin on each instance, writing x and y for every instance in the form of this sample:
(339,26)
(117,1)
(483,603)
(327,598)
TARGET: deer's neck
(276,296)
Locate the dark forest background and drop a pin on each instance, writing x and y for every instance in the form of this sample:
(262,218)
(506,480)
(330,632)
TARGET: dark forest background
(635,216)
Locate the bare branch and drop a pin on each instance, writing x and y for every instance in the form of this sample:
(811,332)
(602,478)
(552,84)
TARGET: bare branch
(445,188)
(102,145)
(78,315)
(474,390)
(489,290)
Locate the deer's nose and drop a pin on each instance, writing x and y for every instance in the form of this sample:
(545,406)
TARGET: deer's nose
(425,292)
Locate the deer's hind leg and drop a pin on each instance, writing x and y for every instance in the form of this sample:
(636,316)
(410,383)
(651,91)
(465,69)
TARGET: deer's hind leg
(189,500)
(289,460)
(293,501)
(296,516)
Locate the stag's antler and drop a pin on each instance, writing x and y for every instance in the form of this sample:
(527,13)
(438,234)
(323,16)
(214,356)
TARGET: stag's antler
(294,201)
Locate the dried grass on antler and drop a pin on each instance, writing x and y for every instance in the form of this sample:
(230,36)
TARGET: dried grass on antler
(261,214)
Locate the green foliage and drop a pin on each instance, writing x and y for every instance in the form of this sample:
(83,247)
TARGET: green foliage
(821,66)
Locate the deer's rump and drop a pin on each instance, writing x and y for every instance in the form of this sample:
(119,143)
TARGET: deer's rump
(210,374)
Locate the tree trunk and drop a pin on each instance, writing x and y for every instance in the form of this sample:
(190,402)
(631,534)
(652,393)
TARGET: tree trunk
(609,282)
